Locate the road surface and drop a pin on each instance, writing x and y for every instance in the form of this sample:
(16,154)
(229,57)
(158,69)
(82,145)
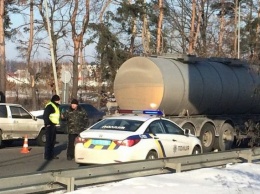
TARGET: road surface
(13,163)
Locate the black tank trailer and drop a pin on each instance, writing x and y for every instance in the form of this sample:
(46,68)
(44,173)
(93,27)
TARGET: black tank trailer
(218,99)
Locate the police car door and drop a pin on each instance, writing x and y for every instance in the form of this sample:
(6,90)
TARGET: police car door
(166,143)
(180,144)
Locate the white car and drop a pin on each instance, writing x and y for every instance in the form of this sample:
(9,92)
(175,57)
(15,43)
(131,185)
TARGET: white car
(16,123)
(132,137)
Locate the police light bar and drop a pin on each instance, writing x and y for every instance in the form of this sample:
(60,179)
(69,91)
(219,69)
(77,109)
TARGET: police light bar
(150,112)
(153,112)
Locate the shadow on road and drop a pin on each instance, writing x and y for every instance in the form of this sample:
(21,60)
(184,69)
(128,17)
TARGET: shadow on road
(57,151)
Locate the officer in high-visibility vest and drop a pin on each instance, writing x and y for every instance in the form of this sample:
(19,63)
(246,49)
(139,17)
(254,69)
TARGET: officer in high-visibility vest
(51,117)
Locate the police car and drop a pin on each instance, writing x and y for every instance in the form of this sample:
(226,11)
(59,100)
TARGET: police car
(134,137)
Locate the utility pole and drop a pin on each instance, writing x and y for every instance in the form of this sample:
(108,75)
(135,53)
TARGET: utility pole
(52,51)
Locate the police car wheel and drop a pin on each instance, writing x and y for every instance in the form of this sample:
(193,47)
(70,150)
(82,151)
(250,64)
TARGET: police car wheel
(151,155)
(196,150)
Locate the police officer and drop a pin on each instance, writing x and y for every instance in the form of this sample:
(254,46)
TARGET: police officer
(51,117)
(77,121)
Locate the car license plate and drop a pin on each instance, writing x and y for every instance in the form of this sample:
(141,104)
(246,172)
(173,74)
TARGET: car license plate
(100,142)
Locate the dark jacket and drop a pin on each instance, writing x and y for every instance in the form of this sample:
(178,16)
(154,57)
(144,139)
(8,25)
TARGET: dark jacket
(77,120)
(47,111)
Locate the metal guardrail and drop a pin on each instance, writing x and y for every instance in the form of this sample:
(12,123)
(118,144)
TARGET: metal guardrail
(70,179)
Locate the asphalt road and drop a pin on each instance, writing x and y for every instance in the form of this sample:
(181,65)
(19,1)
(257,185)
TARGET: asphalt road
(13,163)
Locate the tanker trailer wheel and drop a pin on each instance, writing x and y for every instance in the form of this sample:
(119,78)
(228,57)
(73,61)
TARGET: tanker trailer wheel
(207,137)
(190,127)
(226,137)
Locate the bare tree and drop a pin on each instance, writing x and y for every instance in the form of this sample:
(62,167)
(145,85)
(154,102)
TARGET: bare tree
(77,37)
(28,57)
(57,26)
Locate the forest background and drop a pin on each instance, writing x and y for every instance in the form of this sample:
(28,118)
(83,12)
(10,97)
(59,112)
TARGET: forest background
(57,35)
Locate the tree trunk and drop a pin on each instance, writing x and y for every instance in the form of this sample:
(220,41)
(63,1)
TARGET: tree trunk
(192,28)
(197,32)
(159,28)
(145,35)
(75,70)
(81,64)
(103,10)
(255,50)
(221,28)
(132,40)
(183,37)
(235,31)
(2,54)
(28,60)
(134,31)
(77,41)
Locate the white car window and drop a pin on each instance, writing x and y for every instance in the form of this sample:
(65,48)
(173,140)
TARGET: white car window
(3,112)
(18,112)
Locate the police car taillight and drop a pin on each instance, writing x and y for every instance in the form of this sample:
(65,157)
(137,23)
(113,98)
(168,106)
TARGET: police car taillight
(79,140)
(127,142)
(150,112)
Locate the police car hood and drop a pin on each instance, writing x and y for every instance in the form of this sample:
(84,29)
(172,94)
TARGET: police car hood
(106,134)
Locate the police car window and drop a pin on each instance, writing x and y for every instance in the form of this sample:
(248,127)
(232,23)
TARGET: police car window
(117,124)
(155,128)
(171,128)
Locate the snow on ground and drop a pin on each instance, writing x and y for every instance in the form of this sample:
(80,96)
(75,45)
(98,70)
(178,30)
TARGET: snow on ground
(234,179)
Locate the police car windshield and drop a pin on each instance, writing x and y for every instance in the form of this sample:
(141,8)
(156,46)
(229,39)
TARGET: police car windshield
(118,125)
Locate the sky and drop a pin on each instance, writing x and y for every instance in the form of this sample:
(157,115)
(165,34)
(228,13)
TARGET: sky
(234,179)
(43,54)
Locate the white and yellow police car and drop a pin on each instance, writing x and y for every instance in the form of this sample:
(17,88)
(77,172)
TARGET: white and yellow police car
(134,137)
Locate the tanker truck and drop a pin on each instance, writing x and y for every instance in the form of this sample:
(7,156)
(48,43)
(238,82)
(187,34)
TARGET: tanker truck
(217,99)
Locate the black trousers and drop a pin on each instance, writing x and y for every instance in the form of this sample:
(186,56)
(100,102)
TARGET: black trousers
(71,146)
(50,132)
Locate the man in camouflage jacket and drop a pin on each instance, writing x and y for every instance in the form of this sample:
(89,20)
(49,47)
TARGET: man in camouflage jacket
(77,121)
